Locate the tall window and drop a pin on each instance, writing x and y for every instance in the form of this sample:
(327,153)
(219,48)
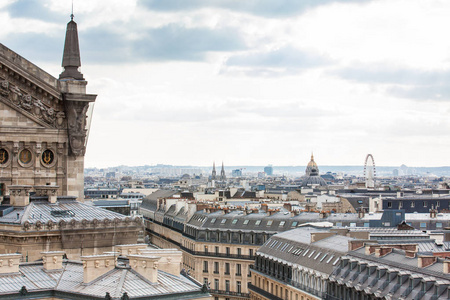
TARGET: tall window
(239,251)
(227,268)
(238,286)
(228,251)
(227,285)
(250,252)
(205,266)
(238,269)
(216,267)
(217,250)
(216,284)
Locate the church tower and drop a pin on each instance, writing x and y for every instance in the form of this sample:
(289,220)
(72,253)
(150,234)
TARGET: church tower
(213,174)
(223,177)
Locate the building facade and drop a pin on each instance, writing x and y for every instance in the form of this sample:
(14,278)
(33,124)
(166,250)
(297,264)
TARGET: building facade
(43,134)
(44,123)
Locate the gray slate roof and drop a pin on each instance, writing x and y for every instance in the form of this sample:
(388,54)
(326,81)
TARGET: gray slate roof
(116,281)
(41,211)
(294,247)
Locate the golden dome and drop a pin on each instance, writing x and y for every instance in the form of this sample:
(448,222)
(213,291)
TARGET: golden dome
(312,163)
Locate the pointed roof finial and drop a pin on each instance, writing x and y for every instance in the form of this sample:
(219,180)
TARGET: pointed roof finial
(312,155)
(71,15)
(71,57)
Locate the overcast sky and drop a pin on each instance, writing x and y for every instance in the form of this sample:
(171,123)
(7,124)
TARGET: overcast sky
(252,82)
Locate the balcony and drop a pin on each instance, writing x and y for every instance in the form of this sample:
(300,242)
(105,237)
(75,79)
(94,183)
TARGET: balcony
(228,293)
(214,254)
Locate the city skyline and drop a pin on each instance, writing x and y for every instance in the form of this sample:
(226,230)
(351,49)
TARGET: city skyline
(187,82)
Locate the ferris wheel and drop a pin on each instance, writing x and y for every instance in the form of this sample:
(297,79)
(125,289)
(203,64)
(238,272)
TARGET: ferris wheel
(370,171)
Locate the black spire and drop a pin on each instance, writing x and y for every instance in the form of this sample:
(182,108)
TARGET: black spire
(213,174)
(223,177)
(71,58)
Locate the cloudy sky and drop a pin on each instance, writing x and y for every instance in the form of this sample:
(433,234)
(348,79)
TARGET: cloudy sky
(252,82)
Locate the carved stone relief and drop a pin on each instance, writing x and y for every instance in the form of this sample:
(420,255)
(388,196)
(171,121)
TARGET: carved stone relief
(32,105)
(76,120)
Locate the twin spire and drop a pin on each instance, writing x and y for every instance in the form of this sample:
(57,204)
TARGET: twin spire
(71,57)
(222,176)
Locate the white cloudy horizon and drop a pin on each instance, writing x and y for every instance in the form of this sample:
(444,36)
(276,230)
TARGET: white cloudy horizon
(252,82)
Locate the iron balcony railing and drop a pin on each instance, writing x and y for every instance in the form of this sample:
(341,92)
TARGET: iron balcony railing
(229,293)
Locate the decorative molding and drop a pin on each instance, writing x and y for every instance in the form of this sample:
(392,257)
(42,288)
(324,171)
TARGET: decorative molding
(31,107)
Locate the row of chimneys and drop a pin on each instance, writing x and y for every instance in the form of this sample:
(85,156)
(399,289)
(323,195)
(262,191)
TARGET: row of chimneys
(411,251)
(145,261)
(19,195)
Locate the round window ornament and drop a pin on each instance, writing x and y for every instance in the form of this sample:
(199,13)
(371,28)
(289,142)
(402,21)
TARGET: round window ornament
(25,158)
(48,158)
(4,156)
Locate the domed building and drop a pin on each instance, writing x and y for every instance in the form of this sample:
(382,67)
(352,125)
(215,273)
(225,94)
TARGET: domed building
(312,177)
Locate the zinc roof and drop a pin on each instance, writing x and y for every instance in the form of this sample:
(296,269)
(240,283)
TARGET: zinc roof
(116,282)
(42,211)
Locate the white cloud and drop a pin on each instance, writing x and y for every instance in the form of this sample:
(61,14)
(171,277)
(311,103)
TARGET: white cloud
(201,97)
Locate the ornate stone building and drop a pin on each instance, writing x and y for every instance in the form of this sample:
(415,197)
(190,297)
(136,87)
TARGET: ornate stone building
(43,134)
(44,122)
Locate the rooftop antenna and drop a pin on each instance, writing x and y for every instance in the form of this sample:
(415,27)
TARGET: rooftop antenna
(71,15)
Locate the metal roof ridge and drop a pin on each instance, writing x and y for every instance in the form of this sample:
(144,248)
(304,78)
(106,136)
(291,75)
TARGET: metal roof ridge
(119,286)
(26,213)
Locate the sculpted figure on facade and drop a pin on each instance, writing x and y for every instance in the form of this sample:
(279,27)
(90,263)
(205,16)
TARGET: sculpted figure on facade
(27,102)
(4,88)
(76,120)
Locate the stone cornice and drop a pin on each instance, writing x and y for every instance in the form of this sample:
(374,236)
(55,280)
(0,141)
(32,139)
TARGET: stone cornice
(29,72)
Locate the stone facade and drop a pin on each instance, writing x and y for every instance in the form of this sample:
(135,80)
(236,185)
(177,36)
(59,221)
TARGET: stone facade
(43,127)
(43,134)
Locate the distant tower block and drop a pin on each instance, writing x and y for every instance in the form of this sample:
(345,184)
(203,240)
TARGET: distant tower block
(370,171)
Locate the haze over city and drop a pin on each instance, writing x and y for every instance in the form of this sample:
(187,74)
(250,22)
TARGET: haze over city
(192,82)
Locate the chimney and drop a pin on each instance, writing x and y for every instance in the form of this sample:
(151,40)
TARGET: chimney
(433,213)
(354,245)
(171,259)
(96,265)
(9,263)
(48,191)
(361,213)
(446,264)
(287,206)
(126,250)
(382,251)
(147,266)
(19,195)
(323,215)
(52,260)
(410,254)
(264,207)
(425,261)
